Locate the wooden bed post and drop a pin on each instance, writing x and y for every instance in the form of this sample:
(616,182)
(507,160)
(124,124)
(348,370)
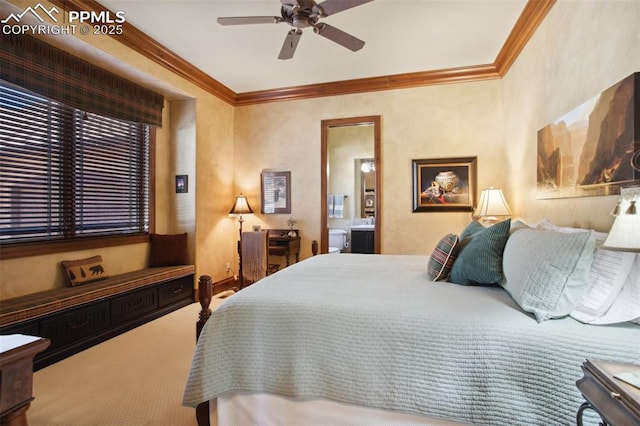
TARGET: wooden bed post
(205,290)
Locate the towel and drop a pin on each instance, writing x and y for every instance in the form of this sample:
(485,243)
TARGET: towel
(255,248)
(338,206)
(330,199)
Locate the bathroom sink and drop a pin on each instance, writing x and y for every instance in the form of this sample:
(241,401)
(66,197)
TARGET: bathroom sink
(363,227)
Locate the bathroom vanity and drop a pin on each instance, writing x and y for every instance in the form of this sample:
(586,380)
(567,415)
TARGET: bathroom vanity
(362,239)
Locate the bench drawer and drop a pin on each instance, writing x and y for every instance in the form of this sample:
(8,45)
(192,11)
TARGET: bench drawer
(175,290)
(133,305)
(75,325)
(77,318)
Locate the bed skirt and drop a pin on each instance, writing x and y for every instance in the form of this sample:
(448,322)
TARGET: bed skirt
(269,409)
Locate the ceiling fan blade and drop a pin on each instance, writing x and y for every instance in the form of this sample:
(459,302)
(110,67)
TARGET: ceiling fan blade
(243,20)
(290,44)
(331,7)
(332,33)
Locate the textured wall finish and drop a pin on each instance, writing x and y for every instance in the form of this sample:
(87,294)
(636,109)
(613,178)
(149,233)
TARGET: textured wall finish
(581,48)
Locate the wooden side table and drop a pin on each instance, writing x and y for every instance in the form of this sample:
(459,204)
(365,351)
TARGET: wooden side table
(616,402)
(16,376)
(281,244)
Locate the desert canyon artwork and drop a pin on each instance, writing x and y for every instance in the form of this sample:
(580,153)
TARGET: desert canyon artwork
(595,148)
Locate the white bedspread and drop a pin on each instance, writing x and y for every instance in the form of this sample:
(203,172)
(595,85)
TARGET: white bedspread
(373,330)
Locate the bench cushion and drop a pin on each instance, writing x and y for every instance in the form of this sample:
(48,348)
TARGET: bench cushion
(35,305)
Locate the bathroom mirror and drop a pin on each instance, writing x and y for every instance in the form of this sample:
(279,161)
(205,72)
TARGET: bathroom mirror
(349,196)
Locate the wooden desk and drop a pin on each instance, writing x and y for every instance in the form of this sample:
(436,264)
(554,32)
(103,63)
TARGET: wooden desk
(281,244)
(16,380)
(617,402)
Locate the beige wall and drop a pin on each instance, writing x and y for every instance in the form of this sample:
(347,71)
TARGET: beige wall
(581,48)
(455,120)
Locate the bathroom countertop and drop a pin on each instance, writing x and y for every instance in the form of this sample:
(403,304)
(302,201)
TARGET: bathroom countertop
(363,227)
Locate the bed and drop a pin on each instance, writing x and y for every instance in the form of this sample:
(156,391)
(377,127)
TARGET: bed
(370,339)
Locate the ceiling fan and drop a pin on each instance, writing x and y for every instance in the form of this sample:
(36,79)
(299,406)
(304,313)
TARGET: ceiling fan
(302,14)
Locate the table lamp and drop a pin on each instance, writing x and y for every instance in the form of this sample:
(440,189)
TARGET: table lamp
(492,204)
(625,231)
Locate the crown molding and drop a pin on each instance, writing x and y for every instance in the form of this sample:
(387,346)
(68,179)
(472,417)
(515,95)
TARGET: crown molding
(532,15)
(372,84)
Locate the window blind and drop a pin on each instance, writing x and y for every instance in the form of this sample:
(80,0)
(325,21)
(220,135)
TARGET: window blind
(41,68)
(68,174)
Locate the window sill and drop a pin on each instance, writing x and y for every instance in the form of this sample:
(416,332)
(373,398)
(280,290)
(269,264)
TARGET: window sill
(43,248)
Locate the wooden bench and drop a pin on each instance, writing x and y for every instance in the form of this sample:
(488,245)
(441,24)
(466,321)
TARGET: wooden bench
(75,318)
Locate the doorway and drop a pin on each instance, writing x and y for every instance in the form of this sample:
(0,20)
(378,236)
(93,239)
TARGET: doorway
(329,130)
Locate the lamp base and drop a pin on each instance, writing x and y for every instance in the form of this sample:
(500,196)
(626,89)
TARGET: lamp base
(488,221)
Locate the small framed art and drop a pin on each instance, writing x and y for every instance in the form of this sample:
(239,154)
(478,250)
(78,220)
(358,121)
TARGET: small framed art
(276,192)
(444,184)
(182,184)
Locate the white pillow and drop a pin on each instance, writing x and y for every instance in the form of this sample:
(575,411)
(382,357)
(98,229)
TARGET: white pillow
(548,226)
(547,272)
(626,306)
(518,224)
(609,272)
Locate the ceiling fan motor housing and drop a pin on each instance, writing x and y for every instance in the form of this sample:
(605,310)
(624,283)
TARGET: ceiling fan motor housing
(301,15)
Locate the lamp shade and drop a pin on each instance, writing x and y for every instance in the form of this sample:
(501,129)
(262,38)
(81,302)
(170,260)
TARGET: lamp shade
(241,206)
(492,204)
(625,231)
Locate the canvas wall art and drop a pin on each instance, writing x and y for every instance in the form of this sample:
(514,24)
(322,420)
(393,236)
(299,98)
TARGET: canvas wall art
(595,148)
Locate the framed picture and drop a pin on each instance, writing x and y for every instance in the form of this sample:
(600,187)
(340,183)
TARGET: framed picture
(593,149)
(182,184)
(276,192)
(444,184)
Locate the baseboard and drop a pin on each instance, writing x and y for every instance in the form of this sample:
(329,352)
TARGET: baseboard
(225,284)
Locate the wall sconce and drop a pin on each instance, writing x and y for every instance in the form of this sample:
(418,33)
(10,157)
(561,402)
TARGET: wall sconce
(492,204)
(240,207)
(625,231)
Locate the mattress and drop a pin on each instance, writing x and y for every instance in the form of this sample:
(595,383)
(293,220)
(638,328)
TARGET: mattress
(373,331)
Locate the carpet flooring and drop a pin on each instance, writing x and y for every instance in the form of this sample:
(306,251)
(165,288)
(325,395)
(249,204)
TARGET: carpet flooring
(134,379)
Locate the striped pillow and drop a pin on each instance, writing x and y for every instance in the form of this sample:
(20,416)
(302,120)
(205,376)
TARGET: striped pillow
(442,257)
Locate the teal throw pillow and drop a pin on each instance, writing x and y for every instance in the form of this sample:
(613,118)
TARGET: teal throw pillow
(471,229)
(480,257)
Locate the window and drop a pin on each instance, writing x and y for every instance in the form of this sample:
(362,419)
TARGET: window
(66,174)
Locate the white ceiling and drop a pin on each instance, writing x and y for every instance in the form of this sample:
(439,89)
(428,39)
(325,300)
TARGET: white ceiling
(402,36)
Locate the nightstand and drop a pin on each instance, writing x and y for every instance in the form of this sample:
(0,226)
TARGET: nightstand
(16,376)
(617,402)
